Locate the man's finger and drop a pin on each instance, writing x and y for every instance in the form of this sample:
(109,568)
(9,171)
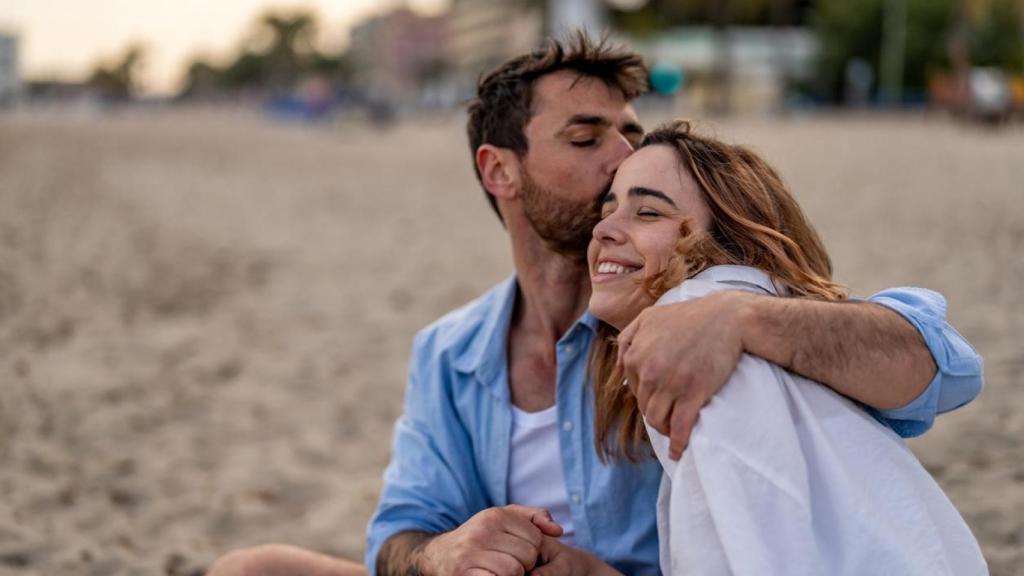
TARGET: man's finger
(658,410)
(644,390)
(497,563)
(625,339)
(538,518)
(522,550)
(684,418)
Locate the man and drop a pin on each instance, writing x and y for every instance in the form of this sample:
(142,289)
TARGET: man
(498,423)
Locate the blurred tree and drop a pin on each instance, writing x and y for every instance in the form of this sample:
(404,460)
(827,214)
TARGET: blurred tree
(277,54)
(852,29)
(940,35)
(118,81)
(998,38)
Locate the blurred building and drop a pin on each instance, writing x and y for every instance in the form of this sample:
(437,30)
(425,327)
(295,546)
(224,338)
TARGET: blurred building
(485,33)
(398,55)
(761,63)
(10,83)
(568,15)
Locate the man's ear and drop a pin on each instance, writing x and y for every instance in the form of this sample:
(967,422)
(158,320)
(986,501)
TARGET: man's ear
(499,171)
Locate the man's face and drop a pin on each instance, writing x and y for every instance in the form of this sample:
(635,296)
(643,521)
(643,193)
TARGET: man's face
(581,130)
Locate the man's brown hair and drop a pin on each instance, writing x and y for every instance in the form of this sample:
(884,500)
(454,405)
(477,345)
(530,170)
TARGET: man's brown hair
(504,98)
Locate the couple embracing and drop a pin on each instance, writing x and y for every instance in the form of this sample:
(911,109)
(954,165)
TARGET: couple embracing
(671,382)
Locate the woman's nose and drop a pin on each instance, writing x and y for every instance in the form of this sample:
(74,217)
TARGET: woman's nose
(608,229)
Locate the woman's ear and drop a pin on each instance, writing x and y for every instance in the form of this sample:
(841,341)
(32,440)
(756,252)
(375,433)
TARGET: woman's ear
(499,171)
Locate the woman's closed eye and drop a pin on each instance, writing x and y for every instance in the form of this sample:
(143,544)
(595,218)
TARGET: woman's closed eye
(584,143)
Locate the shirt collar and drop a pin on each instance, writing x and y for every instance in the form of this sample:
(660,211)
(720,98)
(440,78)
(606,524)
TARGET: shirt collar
(733,274)
(487,350)
(487,354)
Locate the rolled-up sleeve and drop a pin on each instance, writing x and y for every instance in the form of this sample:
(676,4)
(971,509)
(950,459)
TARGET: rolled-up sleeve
(959,377)
(429,483)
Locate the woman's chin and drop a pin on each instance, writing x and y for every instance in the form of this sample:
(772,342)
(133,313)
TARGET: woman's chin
(612,315)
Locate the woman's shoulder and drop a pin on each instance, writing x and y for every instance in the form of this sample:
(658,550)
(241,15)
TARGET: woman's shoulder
(719,278)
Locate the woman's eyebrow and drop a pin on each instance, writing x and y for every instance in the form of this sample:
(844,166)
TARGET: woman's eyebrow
(607,197)
(641,191)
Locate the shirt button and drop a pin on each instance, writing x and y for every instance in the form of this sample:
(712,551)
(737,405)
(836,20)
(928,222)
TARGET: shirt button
(567,426)
(570,349)
(575,498)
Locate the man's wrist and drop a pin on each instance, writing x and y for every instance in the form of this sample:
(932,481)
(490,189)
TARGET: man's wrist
(747,315)
(420,559)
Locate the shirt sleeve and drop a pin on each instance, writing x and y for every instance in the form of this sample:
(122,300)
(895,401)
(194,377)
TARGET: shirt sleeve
(959,377)
(430,483)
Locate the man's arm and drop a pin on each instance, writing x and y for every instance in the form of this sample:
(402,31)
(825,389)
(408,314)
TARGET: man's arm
(862,350)
(676,357)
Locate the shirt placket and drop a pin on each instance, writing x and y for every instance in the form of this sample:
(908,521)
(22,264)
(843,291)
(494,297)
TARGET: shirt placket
(570,353)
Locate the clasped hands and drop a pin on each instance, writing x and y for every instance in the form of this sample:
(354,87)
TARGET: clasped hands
(508,541)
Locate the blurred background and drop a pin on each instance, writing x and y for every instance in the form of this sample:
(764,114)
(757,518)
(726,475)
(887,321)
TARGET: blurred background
(221,224)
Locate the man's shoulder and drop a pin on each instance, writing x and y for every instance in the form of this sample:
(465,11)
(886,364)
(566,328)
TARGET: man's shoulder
(458,329)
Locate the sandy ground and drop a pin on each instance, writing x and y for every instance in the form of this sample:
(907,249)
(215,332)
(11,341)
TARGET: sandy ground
(205,321)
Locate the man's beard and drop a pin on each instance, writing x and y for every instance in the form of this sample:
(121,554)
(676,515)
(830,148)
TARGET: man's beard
(564,226)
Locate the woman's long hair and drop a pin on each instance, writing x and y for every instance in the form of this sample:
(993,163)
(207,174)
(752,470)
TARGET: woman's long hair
(754,222)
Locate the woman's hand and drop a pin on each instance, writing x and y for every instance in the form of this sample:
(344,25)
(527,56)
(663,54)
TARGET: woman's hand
(558,559)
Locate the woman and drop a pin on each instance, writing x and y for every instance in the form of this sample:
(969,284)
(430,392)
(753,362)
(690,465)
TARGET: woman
(781,475)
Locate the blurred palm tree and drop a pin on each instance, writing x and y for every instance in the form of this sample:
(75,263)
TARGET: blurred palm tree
(118,81)
(276,55)
(290,47)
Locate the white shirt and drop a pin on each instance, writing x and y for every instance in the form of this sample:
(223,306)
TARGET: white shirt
(535,476)
(784,476)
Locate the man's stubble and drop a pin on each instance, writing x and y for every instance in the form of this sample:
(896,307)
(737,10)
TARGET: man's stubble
(564,225)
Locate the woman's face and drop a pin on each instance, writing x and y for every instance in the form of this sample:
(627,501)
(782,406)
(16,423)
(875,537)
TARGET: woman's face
(650,197)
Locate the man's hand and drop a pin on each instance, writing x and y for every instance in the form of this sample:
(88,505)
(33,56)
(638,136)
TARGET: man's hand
(495,542)
(676,357)
(558,559)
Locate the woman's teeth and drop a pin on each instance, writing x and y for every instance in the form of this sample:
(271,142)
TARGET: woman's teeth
(613,268)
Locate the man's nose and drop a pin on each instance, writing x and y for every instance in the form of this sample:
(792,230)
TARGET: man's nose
(621,149)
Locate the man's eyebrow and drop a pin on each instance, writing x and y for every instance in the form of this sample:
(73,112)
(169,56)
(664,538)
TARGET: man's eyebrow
(587,120)
(641,191)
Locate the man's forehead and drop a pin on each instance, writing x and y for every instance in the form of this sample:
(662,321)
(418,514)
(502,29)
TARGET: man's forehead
(559,96)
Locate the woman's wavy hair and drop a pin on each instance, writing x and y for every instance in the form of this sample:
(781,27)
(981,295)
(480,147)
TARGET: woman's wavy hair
(755,221)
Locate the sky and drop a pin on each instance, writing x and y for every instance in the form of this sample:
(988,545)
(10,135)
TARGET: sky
(66,38)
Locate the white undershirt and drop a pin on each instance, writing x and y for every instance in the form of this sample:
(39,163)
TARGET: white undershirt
(535,476)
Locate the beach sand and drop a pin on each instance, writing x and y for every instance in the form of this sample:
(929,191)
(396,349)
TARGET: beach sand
(205,318)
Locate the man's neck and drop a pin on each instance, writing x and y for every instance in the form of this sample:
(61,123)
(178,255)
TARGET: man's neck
(554,289)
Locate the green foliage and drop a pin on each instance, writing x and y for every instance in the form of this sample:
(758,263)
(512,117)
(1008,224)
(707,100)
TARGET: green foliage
(998,38)
(849,29)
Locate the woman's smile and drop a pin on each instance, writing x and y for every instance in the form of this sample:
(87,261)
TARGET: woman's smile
(611,269)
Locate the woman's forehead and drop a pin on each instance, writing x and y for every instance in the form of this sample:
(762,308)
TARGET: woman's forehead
(656,166)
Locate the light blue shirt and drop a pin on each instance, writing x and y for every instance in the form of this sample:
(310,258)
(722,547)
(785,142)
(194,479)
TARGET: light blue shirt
(451,446)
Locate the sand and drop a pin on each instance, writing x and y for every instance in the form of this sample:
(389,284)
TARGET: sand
(205,318)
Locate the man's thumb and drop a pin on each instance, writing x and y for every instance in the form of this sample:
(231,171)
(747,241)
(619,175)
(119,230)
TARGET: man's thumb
(540,518)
